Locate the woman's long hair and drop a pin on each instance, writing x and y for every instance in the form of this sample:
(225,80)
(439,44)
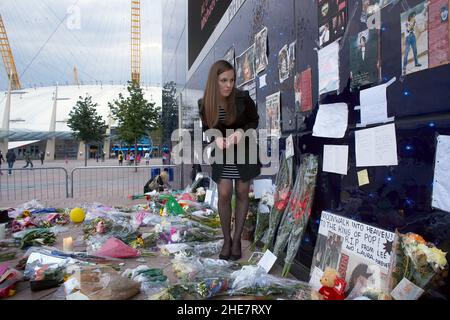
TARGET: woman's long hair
(211,97)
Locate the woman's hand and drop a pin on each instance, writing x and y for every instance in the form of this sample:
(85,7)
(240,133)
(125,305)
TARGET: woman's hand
(222,143)
(235,138)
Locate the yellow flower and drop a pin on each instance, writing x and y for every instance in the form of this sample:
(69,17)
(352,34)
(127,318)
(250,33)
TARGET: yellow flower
(438,256)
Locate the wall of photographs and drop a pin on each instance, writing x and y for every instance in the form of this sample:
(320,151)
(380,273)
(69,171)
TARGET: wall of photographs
(328,51)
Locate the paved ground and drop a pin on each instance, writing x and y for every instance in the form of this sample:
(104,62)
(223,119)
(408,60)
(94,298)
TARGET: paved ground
(97,183)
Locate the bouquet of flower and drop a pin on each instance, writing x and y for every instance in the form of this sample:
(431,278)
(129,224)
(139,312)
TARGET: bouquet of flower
(281,197)
(262,218)
(418,261)
(37,237)
(200,194)
(253,280)
(97,226)
(298,212)
(207,217)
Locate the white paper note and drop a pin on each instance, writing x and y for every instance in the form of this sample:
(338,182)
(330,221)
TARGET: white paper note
(289,147)
(261,187)
(262,81)
(374,104)
(315,278)
(441,183)
(329,68)
(267,261)
(406,290)
(335,159)
(376,147)
(331,121)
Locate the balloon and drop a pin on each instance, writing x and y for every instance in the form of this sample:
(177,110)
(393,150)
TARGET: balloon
(77,215)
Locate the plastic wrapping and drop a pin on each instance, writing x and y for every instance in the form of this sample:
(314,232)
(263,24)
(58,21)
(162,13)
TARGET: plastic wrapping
(30,206)
(191,268)
(197,249)
(114,248)
(99,283)
(152,280)
(281,197)
(253,280)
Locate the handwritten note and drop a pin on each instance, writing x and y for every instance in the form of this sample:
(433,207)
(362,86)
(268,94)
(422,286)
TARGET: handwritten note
(335,159)
(374,105)
(376,146)
(331,121)
(441,184)
(363,178)
(267,261)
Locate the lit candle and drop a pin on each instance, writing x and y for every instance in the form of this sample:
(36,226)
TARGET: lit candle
(68,244)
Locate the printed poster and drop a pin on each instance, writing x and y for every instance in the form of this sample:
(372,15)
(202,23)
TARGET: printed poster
(229,56)
(273,116)
(361,253)
(283,64)
(261,60)
(245,67)
(439,42)
(414,27)
(332,20)
(365,58)
(303,91)
(292,56)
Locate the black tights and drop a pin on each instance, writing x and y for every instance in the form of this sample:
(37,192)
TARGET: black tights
(225,189)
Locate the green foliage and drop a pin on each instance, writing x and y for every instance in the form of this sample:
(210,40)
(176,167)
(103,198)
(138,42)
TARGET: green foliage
(169,119)
(136,116)
(85,123)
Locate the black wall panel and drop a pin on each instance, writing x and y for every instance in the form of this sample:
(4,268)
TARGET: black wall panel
(398,197)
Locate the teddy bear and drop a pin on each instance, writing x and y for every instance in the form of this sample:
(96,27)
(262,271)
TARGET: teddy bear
(333,285)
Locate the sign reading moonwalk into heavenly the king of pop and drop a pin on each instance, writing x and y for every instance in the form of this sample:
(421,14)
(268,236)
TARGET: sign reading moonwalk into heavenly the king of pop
(361,253)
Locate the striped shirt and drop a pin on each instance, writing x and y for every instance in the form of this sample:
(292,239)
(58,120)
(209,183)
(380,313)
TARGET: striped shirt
(230,171)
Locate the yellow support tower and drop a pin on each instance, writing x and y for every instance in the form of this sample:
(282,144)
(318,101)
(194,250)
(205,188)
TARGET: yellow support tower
(8,59)
(136,41)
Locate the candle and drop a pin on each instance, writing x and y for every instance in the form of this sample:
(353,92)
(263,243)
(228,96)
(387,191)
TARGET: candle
(68,244)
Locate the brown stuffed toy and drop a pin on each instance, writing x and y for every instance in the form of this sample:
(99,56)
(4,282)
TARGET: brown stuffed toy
(332,285)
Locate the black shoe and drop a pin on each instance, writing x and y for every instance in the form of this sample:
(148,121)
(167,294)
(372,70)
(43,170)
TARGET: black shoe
(224,257)
(235,257)
(418,65)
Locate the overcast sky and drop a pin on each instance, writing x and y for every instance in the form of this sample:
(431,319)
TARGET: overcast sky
(49,37)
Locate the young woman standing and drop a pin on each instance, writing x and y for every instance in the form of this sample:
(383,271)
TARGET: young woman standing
(225,107)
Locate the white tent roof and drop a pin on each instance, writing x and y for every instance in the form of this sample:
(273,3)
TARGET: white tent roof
(31,108)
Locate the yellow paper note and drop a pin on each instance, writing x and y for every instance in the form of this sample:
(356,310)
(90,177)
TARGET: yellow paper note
(363,177)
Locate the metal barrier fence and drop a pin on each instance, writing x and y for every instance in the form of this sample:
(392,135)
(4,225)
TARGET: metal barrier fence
(114,181)
(83,183)
(33,183)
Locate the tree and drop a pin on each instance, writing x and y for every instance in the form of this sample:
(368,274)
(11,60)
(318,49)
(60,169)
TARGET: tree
(136,116)
(169,119)
(86,124)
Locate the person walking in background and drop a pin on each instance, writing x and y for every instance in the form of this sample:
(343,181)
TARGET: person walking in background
(42,157)
(120,157)
(28,160)
(10,158)
(1,161)
(131,158)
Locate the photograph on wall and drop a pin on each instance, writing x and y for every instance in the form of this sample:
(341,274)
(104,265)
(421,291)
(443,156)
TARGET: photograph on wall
(438,33)
(291,55)
(365,65)
(329,68)
(245,67)
(261,60)
(283,63)
(273,115)
(332,20)
(370,7)
(362,254)
(414,26)
(229,56)
(303,91)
